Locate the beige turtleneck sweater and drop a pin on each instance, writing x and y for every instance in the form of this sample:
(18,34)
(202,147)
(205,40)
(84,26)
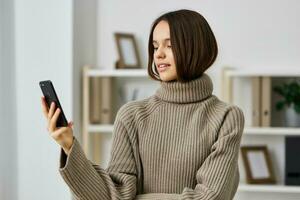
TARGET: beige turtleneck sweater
(180,143)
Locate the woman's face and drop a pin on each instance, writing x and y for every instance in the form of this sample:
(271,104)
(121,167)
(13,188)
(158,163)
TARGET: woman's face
(163,54)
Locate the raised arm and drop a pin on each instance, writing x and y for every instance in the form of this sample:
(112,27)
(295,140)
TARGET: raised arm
(89,181)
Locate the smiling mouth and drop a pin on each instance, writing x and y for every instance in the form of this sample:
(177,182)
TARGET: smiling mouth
(162,67)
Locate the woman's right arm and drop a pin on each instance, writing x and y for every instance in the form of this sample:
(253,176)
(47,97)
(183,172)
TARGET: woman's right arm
(89,181)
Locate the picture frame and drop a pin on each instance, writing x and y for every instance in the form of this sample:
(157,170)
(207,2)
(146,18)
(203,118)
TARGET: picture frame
(258,165)
(127,51)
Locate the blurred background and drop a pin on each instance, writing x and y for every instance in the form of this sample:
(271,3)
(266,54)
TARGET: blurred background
(54,40)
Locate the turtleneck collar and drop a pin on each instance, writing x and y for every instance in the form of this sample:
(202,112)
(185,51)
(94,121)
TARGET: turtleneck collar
(188,92)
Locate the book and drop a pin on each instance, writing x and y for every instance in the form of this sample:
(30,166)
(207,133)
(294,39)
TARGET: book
(106,100)
(256,101)
(266,92)
(101,100)
(95,96)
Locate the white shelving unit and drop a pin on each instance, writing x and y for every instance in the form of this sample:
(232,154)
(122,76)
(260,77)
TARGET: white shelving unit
(251,133)
(274,72)
(95,130)
(105,128)
(269,188)
(116,72)
(272,131)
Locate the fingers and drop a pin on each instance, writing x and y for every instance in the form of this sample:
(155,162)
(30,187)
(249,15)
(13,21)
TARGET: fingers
(70,124)
(58,133)
(53,120)
(47,112)
(51,111)
(44,107)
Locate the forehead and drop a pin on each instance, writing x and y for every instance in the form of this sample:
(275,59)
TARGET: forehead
(161,31)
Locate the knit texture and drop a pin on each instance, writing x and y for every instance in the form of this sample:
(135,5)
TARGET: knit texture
(180,143)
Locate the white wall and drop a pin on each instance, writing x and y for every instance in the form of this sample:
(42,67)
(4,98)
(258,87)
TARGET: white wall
(43,45)
(84,51)
(8,134)
(39,40)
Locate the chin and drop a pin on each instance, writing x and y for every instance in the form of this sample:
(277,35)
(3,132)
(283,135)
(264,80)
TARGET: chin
(168,78)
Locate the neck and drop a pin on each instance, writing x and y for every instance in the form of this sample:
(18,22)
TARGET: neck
(188,92)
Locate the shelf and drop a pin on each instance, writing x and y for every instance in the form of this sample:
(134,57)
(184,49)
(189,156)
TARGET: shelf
(269,188)
(280,131)
(117,72)
(103,128)
(286,72)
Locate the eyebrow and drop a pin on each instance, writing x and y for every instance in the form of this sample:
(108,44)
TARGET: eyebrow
(166,40)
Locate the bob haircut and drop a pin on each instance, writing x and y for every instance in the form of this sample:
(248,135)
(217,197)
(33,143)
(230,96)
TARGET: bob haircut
(193,44)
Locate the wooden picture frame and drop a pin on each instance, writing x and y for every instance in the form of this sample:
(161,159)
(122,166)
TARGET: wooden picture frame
(127,51)
(258,165)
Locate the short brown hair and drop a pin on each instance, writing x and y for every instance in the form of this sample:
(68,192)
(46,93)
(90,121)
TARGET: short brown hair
(193,44)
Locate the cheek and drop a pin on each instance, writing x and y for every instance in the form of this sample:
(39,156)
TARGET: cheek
(154,58)
(171,56)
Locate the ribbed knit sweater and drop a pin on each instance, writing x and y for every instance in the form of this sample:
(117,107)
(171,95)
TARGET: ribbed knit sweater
(180,143)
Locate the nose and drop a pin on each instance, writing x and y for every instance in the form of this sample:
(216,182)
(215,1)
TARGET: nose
(159,53)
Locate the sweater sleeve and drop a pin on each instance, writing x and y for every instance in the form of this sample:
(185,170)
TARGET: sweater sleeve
(218,176)
(88,181)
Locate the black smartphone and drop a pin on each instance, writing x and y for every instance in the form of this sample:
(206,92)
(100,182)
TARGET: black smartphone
(50,96)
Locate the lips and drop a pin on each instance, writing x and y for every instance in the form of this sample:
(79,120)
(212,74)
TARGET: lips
(162,67)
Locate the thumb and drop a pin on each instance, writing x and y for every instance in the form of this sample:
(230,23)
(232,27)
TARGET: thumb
(70,124)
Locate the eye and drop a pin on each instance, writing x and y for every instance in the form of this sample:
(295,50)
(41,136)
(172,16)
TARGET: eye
(155,48)
(169,46)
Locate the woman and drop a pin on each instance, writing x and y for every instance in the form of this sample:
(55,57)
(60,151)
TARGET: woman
(180,143)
